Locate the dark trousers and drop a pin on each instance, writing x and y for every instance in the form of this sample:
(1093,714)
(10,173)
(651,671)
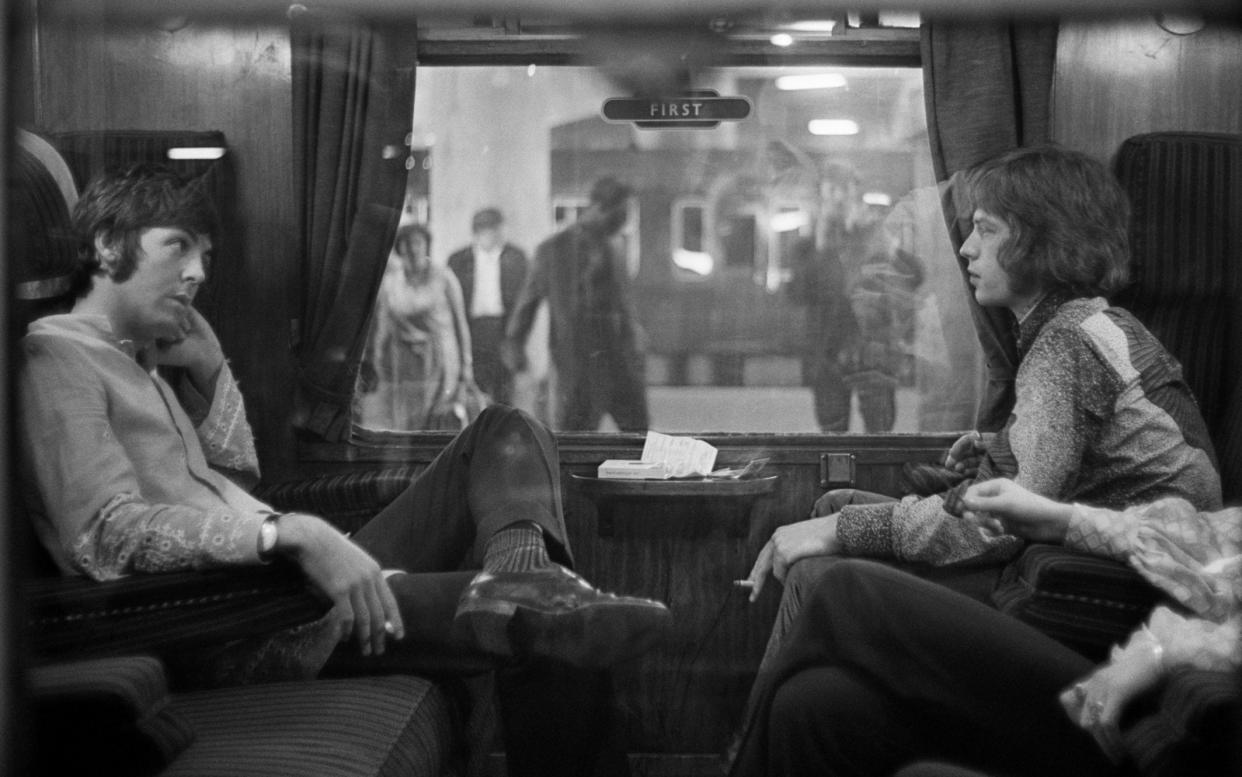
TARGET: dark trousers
(557,719)
(974,581)
(884,669)
(832,388)
(490,373)
(607,380)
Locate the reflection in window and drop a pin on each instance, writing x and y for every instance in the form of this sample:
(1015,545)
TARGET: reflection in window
(785,273)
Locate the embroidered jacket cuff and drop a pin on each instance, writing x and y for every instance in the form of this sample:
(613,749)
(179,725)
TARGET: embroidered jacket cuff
(225,433)
(866,530)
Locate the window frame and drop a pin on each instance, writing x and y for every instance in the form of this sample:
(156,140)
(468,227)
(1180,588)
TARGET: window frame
(508,45)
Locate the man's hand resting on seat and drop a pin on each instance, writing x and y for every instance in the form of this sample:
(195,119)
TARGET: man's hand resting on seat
(814,537)
(345,573)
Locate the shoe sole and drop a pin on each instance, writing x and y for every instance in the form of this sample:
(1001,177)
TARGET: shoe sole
(594,636)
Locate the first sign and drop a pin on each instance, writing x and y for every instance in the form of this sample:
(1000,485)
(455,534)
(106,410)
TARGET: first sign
(692,110)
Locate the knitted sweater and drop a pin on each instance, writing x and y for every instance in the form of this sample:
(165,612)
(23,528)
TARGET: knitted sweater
(1102,416)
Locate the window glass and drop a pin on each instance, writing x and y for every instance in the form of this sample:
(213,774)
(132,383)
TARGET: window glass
(785,272)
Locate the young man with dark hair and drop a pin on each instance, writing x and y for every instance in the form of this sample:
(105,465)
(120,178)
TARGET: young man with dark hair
(491,271)
(127,474)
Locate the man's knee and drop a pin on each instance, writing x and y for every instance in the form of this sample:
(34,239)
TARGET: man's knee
(832,501)
(805,573)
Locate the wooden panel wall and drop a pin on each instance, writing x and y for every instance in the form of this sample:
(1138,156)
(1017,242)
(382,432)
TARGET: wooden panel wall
(203,76)
(1118,79)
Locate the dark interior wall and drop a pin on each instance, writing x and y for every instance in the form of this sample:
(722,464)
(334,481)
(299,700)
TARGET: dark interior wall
(191,75)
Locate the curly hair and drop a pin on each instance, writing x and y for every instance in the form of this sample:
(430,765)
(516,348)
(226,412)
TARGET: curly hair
(120,204)
(1068,219)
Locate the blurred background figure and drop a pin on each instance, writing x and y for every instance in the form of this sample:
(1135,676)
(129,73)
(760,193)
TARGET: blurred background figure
(594,335)
(419,350)
(491,272)
(860,294)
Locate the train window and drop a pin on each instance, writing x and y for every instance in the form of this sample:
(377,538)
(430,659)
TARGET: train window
(786,271)
(689,244)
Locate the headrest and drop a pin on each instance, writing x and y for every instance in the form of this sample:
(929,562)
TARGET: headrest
(1185,193)
(41,194)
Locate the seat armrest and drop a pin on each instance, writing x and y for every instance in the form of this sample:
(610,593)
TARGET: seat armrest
(1084,601)
(347,500)
(159,613)
(107,716)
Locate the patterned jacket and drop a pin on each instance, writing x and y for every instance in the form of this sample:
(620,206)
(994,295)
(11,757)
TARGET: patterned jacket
(1102,416)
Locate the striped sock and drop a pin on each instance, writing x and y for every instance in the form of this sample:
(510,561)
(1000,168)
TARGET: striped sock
(518,547)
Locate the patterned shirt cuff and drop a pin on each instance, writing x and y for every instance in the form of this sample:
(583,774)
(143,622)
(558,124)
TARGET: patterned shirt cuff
(1096,531)
(866,530)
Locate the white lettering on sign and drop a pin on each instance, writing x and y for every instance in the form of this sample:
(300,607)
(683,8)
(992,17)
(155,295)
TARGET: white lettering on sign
(675,110)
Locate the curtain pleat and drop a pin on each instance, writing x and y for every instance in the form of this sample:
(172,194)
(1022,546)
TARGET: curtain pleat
(353,108)
(988,88)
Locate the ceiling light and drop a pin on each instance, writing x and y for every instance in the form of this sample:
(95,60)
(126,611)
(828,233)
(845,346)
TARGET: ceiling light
(810,81)
(813,25)
(833,127)
(196,152)
(881,199)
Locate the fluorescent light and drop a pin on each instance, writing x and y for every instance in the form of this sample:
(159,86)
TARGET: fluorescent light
(782,39)
(788,221)
(833,127)
(810,81)
(196,152)
(877,198)
(813,25)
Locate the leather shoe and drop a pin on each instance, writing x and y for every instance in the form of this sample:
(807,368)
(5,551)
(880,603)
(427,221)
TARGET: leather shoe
(555,613)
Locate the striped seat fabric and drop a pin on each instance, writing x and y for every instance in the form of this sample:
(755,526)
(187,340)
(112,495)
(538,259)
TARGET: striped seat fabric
(389,726)
(1086,602)
(1186,245)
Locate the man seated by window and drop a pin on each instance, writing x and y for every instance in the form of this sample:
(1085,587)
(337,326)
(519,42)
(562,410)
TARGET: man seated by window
(1101,413)
(123,475)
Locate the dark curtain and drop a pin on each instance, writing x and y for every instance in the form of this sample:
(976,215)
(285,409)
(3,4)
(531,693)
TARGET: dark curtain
(988,89)
(353,108)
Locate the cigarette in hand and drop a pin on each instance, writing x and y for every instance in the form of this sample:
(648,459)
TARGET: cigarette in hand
(744,583)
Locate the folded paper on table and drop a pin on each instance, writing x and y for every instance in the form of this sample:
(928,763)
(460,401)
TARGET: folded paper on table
(681,456)
(664,456)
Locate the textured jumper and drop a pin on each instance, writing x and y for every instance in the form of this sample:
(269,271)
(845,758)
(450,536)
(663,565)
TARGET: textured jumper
(1102,416)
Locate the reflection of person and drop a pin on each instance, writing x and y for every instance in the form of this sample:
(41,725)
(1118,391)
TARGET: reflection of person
(1102,414)
(491,272)
(858,292)
(883,669)
(594,332)
(420,351)
(128,474)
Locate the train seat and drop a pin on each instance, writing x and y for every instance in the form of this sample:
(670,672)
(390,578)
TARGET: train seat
(1186,194)
(1186,243)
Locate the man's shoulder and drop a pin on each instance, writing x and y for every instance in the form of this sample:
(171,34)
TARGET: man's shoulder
(460,257)
(560,240)
(511,252)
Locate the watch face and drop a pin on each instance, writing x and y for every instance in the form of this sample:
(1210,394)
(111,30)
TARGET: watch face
(267,536)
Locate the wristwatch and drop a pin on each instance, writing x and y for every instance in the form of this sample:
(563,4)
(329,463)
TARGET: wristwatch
(269,532)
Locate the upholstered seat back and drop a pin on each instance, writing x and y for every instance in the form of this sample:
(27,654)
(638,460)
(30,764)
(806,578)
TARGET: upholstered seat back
(1186,241)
